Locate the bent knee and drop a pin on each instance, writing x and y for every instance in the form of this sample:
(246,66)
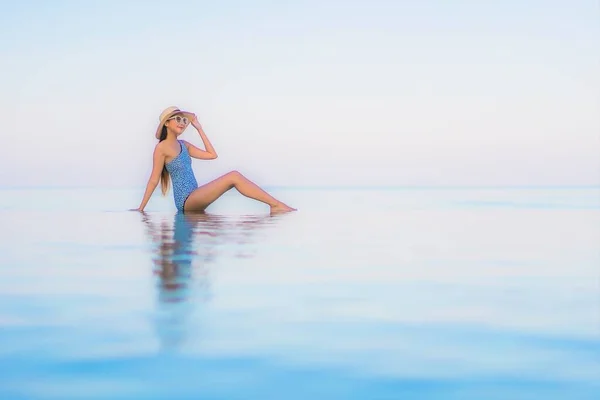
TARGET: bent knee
(234,175)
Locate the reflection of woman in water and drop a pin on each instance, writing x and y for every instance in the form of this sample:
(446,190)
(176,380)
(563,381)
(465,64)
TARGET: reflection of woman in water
(174,263)
(183,275)
(174,252)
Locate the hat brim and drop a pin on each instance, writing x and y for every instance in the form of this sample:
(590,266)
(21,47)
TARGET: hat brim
(187,114)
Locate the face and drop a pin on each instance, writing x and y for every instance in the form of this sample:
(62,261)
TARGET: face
(177,123)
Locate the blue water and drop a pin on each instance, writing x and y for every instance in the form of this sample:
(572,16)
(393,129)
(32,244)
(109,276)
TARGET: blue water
(386,293)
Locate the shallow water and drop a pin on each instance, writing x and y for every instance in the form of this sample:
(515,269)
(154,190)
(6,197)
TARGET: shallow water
(361,294)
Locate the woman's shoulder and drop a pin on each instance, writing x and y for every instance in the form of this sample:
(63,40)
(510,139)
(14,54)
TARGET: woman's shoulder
(160,148)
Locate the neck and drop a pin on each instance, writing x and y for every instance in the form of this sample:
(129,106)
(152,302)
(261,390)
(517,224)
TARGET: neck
(171,136)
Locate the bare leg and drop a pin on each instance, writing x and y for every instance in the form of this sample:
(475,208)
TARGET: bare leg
(206,194)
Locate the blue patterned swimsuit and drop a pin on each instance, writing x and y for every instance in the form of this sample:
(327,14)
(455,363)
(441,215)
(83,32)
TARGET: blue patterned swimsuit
(182,176)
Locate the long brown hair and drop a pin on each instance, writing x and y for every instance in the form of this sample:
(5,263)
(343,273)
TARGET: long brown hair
(164,175)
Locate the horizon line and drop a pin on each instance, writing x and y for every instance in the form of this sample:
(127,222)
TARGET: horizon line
(336,187)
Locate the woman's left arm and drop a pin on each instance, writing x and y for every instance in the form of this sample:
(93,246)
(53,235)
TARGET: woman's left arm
(209,153)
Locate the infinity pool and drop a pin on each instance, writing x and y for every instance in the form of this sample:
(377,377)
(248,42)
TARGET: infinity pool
(371,294)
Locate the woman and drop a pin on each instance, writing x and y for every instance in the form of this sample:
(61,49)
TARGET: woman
(171,160)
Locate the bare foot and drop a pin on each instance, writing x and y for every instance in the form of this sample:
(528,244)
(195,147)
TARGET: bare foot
(281,207)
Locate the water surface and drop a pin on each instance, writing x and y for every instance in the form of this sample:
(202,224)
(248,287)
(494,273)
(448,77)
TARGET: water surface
(361,294)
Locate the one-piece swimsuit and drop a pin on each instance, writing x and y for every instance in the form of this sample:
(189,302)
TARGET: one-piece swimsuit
(182,176)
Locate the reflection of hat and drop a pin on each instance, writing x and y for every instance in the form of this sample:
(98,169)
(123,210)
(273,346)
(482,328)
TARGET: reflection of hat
(168,113)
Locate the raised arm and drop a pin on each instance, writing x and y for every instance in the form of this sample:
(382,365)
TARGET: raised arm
(209,153)
(158,162)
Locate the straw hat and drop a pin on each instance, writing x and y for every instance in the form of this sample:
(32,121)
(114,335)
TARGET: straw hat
(168,113)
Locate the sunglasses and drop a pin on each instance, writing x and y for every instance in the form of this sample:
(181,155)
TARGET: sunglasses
(180,119)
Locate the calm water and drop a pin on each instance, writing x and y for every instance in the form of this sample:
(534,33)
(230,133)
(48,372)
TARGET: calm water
(361,294)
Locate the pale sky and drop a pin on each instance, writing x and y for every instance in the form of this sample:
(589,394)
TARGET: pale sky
(429,92)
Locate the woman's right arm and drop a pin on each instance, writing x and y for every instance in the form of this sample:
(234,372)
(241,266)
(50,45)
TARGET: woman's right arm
(158,162)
